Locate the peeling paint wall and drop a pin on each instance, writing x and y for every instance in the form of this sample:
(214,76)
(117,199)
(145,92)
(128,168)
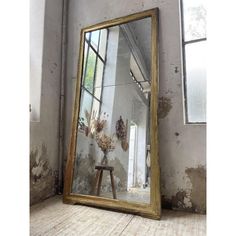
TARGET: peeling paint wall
(44,134)
(197,177)
(193,198)
(89,155)
(164,106)
(43,179)
(85,175)
(182,148)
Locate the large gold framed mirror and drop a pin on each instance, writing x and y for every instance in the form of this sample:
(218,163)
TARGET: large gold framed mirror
(113,158)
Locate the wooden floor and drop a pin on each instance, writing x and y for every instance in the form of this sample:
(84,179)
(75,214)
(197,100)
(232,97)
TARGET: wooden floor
(52,217)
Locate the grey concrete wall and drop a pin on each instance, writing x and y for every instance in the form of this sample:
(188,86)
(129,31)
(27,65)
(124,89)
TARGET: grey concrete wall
(44,134)
(182,147)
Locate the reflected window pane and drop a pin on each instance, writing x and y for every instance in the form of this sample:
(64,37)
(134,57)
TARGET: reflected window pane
(85,57)
(99,77)
(87,35)
(95,108)
(95,39)
(103,42)
(196,81)
(90,69)
(85,107)
(97,93)
(194,19)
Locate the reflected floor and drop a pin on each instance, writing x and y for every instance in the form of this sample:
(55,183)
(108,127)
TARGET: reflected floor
(139,195)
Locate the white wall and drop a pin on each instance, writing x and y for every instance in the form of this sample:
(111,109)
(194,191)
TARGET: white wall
(182,147)
(108,92)
(139,117)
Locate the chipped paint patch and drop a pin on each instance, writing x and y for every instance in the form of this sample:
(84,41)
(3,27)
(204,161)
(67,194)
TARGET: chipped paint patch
(164,107)
(181,200)
(197,177)
(193,198)
(84,174)
(43,180)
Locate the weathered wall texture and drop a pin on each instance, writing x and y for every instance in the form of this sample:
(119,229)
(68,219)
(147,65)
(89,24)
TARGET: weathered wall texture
(182,147)
(44,134)
(84,176)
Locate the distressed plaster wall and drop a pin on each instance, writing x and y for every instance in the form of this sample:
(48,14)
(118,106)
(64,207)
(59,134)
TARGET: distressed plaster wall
(182,148)
(44,134)
(87,156)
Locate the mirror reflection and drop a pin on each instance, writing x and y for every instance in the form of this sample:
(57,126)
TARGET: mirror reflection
(113,136)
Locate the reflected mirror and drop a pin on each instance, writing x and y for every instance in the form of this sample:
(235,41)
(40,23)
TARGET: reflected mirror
(115,116)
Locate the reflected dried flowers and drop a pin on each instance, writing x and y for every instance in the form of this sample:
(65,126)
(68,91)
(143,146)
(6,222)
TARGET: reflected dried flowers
(105,142)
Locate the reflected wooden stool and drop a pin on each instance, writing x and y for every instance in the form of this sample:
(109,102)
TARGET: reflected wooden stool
(100,169)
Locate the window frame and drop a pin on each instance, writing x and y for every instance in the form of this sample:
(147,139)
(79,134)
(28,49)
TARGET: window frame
(98,56)
(184,69)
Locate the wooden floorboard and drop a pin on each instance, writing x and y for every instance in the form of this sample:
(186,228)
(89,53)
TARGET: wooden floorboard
(52,217)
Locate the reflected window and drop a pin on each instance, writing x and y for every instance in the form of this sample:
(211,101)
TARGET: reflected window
(194,57)
(93,70)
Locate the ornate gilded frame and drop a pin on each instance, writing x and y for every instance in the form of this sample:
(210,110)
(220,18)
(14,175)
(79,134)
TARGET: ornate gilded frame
(152,210)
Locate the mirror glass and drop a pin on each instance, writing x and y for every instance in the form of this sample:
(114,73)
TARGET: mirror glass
(113,134)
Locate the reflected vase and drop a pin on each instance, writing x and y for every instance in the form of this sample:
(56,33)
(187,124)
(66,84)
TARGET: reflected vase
(104,161)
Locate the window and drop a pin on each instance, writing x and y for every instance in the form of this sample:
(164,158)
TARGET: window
(94,64)
(37,25)
(194,58)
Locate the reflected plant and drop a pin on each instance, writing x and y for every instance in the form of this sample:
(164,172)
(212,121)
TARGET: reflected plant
(95,125)
(105,142)
(120,129)
(81,123)
(121,133)
(99,124)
